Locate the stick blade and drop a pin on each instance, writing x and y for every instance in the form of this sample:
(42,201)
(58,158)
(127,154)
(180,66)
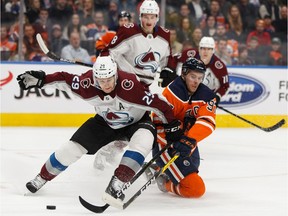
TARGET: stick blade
(276,126)
(92,208)
(42,43)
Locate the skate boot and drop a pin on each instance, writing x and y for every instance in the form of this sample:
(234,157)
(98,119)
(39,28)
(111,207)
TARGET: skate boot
(34,185)
(112,192)
(114,187)
(161,182)
(150,171)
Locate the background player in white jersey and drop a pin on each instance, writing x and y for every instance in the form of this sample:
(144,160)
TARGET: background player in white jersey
(216,76)
(142,49)
(120,113)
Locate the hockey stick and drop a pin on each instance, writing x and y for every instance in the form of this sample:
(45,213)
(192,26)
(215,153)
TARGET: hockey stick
(100,209)
(149,182)
(268,129)
(53,56)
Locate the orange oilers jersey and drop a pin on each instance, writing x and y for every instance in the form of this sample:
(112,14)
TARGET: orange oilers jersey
(197,112)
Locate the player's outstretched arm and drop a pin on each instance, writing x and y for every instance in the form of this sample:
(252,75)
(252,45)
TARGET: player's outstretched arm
(31,79)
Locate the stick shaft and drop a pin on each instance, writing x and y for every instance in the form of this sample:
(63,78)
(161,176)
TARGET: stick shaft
(268,129)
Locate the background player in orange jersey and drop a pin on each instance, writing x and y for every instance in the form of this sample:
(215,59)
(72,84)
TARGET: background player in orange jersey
(194,104)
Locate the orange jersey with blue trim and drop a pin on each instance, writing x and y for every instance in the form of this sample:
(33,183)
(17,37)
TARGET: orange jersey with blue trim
(196,112)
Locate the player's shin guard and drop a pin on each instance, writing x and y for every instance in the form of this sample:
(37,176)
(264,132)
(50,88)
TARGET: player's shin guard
(192,186)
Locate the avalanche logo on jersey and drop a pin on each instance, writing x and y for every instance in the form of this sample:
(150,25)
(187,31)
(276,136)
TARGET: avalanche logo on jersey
(147,61)
(117,118)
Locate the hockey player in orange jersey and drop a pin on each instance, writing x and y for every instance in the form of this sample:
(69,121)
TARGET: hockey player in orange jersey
(194,105)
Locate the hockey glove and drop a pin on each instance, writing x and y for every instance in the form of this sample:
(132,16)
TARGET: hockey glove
(173,131)
(167,75)
(185,146)
(31,79)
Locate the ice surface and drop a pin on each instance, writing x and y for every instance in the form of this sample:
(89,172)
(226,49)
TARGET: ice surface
(245,172)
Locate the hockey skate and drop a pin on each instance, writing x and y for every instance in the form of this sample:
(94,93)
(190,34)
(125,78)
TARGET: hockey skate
(150,171)
(34,185)
(161,182)
(113,194)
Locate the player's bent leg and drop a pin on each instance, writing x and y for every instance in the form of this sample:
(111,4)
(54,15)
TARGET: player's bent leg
(192,186)
(57,163)
(140,145)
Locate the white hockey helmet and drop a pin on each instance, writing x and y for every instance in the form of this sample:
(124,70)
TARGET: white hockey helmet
(104,67)
(149,7)
(207,42)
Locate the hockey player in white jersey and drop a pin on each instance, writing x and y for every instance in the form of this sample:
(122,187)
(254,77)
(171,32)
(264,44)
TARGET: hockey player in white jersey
(121,103)
(142,49)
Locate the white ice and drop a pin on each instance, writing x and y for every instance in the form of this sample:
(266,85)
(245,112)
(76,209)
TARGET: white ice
(245,172)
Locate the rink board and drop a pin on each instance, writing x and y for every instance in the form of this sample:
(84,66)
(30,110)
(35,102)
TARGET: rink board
(258,94)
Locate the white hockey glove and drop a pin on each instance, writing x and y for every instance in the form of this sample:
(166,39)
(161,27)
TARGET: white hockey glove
(31,79)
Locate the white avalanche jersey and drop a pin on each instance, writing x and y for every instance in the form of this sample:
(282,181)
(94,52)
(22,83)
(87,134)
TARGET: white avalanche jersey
(140,53)
(124,106)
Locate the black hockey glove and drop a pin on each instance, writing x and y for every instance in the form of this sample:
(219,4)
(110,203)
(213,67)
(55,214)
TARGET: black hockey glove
(31,79)
(173,131)
(167,75)
(185,146)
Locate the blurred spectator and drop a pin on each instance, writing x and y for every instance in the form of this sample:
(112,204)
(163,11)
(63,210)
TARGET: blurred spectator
(281,25)
(198,8)
(12,6)
(236,30)
(43,24)
(30,41)
(97,28)
(101,5)
(222,51)
(210,26)
(184,12)
(271,8)
(73,51)
(75,26)
(86,12)
(113,16)
(61,12)
(243,58)
(33,10)
(248,14)
(57,41)
(185,31)
(224,7)
(214,10)
(264,38)
(17,57)
(275,55)
(220,31)
(7,47)
(127,5)
(176,46)
(196,37)
(256,52)
(268,27)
